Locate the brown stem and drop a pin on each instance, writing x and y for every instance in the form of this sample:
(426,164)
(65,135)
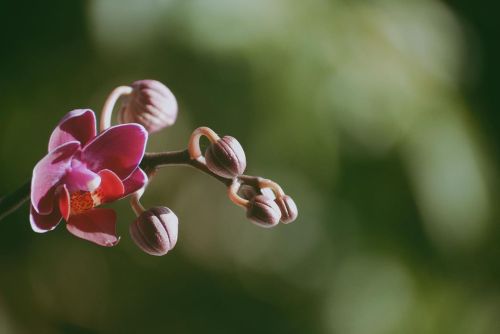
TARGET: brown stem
(150,163)
(14,200)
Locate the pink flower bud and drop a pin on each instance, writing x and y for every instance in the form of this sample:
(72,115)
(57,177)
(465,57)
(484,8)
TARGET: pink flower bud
(263,211)
(226,157)
(150,104)
(155,231)
(289,211)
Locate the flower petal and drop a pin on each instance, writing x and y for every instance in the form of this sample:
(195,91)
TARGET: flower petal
(120,149)
(77,125)
(110,189)
(135,181)
(96,225)
(79,177)
(64,202)
(44,223)
(48,173)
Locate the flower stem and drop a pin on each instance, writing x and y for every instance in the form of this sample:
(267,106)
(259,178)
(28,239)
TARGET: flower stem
(232,193)
(194,142)
(150,163)
(14,200)
(136,205)
(107,109)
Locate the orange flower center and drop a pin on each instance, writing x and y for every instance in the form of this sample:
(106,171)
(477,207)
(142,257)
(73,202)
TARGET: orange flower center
(81,201)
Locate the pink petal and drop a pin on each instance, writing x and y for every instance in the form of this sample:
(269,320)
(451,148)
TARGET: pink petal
(44,223)
(96,225)
(77,125)
(48,173)
(111,187)
(79,177)
(135,181)
(120,149)
(64,202)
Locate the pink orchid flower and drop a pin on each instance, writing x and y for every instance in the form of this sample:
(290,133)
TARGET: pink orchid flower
(82,171)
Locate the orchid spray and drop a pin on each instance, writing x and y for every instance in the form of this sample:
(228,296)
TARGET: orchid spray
(84,168)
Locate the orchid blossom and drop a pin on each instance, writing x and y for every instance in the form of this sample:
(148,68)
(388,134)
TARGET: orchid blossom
(82,171)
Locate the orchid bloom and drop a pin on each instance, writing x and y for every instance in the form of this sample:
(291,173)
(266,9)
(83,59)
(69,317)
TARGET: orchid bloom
(83,170)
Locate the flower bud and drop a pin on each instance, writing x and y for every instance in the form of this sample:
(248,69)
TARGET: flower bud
(150,104)
(247,192)
(289,211)
(226,157)
(263,211)
(155,231)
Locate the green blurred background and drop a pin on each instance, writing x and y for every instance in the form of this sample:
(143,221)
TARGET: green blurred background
(380,118)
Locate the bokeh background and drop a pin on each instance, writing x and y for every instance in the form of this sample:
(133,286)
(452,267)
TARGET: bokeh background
(381,119)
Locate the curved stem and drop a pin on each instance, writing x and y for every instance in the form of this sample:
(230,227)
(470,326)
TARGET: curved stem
(135,199)
(194,141)
(232,193)
(136,205)
(107,109)
(276,188)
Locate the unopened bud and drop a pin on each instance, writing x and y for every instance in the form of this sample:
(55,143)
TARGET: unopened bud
(247,192)
(263,211)
(155,231)
(150,104)
(289,211)
(226,157)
